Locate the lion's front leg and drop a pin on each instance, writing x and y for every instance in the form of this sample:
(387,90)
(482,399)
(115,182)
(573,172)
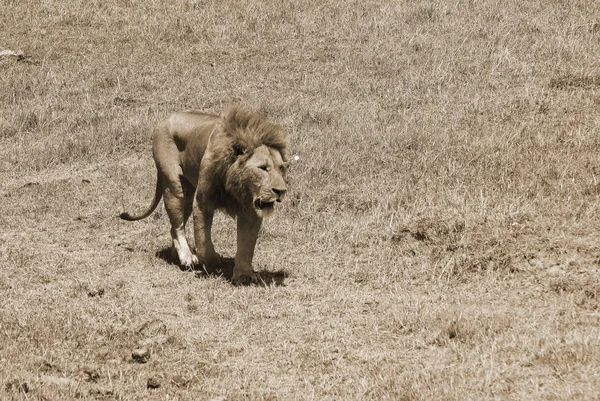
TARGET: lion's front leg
(247,234)
(205,250)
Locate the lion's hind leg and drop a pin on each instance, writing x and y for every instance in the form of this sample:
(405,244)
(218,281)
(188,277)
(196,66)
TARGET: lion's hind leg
(178,197)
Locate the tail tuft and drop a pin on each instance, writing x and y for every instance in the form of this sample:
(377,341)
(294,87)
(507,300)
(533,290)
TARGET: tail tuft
(126,216)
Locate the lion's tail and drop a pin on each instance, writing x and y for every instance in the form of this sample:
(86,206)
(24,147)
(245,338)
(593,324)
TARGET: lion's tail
(155,201)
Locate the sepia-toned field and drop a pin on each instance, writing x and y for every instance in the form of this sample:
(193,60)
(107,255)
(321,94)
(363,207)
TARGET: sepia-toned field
(440,239)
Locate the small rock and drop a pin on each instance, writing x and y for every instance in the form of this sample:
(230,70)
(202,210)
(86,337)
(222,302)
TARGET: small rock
(95,292)
(179,381)
(18,54)
(141,354)
(30,184)
(153,382)
(57,381)
(103,391)
(17,385)
(153,328)
(452,330)
(43,364)
(92,375)
(556,271)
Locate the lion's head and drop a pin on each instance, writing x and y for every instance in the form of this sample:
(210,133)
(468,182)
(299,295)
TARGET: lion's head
(247,154)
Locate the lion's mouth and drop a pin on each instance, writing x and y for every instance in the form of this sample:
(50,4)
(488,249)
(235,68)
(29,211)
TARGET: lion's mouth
(262,204)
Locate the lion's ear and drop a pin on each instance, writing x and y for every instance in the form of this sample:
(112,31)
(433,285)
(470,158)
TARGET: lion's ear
(237,149)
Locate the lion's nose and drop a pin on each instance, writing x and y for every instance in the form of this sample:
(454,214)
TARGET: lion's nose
(280,192)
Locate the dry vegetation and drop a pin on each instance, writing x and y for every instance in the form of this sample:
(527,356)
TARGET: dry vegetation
(440,240)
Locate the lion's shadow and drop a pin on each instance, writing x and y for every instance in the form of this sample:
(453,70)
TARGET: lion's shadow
(225,270)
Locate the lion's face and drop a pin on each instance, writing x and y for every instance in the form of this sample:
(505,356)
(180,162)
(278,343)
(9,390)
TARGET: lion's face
(259,181)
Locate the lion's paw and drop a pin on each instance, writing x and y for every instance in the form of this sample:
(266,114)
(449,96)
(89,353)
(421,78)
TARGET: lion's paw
(247,279)
(189,261)
(213,260)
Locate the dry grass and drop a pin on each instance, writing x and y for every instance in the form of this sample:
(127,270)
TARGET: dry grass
(440,240)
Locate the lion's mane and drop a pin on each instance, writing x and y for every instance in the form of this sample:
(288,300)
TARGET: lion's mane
(224,179)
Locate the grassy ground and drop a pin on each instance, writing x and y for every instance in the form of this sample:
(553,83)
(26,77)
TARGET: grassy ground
(440,240)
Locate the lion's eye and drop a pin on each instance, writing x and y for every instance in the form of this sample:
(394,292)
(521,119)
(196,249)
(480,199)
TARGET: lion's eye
(264,167)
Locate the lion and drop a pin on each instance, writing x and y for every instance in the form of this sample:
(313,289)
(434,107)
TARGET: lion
(235,162)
